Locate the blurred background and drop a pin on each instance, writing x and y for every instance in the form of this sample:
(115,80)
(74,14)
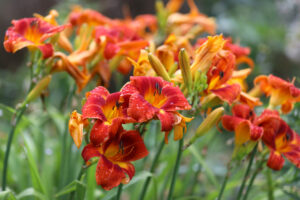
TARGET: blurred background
(270,28)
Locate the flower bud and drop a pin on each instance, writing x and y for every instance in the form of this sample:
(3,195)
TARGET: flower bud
(207,124)
(158,67)
(184,63)
(38,89)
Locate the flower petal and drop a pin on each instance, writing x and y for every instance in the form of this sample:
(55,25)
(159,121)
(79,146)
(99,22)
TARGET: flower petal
(275,160)
(228,93)
(93,106)
(175,99)
(130,147)
(108,175)
(139,109)
(167,120)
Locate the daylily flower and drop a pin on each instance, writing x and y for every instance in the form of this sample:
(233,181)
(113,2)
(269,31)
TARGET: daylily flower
(108,112)
(119,40)
(115,155)
(282,92)
(280,139)
(31,33)
(181,24)
(243,124)
(152,97)
(80,16)
(218,77)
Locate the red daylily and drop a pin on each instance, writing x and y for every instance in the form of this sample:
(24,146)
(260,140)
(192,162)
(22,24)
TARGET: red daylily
(115,155)
(219,73)
(151,97)
(31,33)
(243,124)
(119,39)
(282,92)
(280,139)
(108,112)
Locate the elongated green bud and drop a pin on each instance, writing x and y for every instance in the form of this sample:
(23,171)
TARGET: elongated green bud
(38,89)
(158,67)
(184,63)
(207,124)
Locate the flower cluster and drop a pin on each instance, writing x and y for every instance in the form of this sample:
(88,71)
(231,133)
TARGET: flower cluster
(175,73)
(139,101)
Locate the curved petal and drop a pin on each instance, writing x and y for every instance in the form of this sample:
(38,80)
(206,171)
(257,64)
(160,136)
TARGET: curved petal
(228,93)
(275,160)
(139,109)
(108,175)
(231,122)
(90,151)
(47,50)
(103,131)
(243,111)
(131,147)
(93,106)
(175,99)
(167,120)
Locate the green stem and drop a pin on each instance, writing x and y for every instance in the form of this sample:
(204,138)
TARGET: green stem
(225,181)
(270,185)
(19,113)
(174,176)
(247,172)
(259,167)
(119,191)
(152,168)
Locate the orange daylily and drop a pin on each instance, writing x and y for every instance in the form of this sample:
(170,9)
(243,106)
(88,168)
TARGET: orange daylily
(243,124)
(282,92)
(181,24)
(280,139)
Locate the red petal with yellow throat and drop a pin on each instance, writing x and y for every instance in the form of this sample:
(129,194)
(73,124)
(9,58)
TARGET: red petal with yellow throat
(108,174)
(130,147)
(30,32)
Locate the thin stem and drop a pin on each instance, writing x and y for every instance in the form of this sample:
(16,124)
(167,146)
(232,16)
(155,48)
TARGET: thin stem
(119,192)
(152,168)
(247,172)
(270,185)
(19,114)
(259,167)
(225,181)
(174,176)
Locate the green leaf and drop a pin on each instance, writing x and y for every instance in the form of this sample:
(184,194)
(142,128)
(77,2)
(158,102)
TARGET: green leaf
(36,179)
(30,192)
(7,195)
(80,190)
(140,176)
(70,188)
